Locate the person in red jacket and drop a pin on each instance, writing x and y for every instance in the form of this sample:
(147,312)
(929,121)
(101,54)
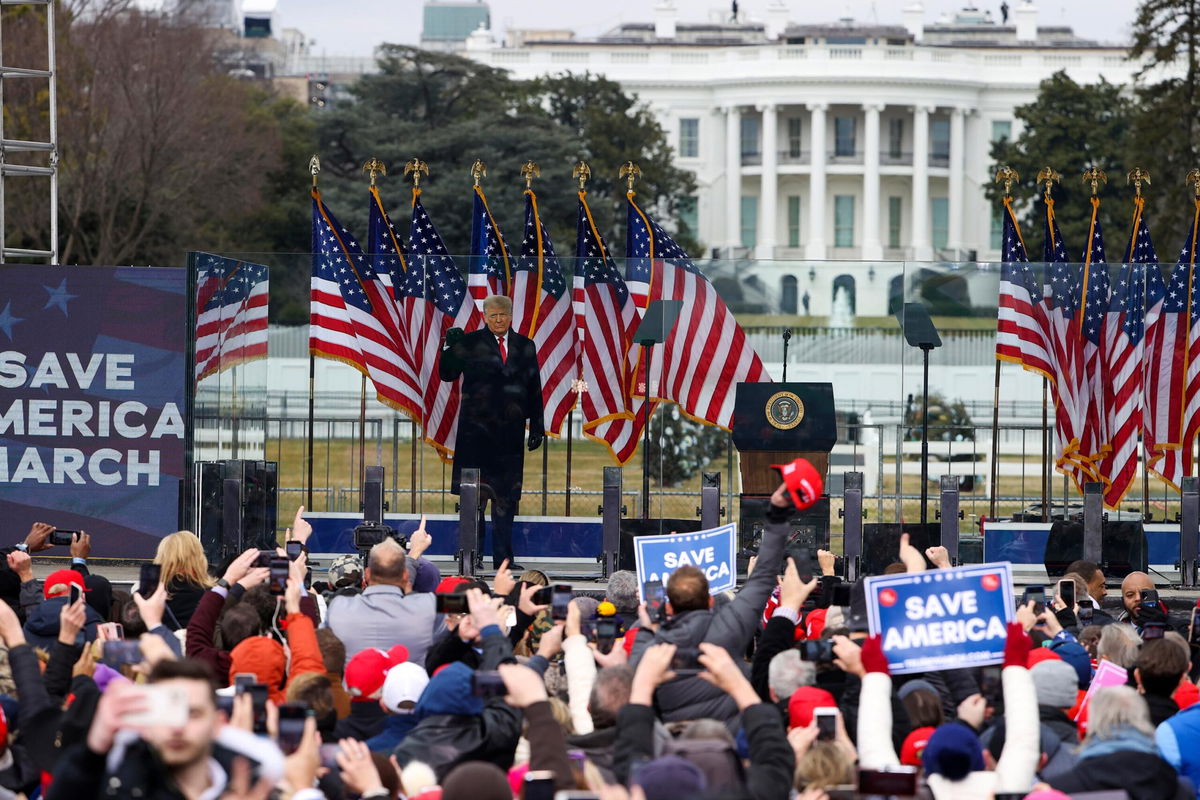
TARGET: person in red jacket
(238,621)
(263,656)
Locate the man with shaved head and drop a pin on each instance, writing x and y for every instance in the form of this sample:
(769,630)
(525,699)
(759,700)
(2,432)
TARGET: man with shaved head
(1133,591)
(388,611)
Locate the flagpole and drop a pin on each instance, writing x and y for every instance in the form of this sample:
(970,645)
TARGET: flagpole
(1136,176)
(582,172)
(1046,487)
(314,166)
(233,404)
(1005,175)
(995,476)
(1048,176)
(362,432)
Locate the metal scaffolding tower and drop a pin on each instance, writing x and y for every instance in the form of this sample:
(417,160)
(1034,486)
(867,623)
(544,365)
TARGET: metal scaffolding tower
(50,148)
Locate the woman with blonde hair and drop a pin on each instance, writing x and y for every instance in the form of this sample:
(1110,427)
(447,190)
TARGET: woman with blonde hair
(185,574)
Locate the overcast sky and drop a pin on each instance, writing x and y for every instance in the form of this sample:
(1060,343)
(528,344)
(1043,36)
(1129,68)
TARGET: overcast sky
(354,27)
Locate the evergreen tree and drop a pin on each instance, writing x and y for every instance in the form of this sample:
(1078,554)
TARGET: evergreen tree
(1166,38)
(1071,127)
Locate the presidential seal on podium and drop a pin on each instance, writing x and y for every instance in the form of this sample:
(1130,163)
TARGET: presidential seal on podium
(784,410)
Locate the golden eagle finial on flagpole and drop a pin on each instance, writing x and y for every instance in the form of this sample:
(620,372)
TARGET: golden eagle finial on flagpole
(529,171)
(1193,177)
(478,170)
(314,166)
(415,167)
(373,166)
(1049,177)
(1007,175)
(1137,176)
(1095,176)
(582,171)
(630,172)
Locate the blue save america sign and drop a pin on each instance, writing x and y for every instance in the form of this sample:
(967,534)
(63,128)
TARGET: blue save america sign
(941,619)
(712,552)
(93,370)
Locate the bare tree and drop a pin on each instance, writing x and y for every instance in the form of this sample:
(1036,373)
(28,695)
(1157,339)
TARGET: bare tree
(160,151)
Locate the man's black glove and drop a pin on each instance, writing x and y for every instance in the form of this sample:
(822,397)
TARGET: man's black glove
(453,336)
(1146,613)
(1066,618)
(535,440)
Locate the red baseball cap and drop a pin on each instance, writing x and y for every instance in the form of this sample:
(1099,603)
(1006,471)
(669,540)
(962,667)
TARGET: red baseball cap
(366,672)
(58,582)
(802,703)
(450,584)
(803,481)
(1040,654)
(914,745)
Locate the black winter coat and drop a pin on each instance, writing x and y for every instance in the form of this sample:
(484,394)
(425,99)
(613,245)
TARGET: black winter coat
(498,398)
(1143,776)
(449,736)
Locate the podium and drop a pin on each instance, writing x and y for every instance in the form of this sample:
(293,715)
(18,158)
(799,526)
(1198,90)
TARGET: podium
(774,423)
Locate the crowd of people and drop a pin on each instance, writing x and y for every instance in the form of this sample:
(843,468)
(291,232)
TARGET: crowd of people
(388,679)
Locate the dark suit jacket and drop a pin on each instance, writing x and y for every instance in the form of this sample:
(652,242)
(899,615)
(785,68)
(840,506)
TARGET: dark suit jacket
(498,399)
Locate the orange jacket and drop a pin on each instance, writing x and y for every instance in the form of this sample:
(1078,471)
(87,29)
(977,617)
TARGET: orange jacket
(264,657)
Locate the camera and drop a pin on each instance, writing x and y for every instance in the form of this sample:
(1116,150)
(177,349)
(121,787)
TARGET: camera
(804,557)
(291,726)
(606,631)
(895,781)
(560,598)
(452,603)
(840,596)
(280,569)
(487,684)
(686,661)
(369,534)
(1153,630)
(63,538)
(817,650)
(122,652)
(656,601)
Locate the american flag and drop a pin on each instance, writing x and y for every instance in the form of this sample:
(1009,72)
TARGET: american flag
(1124,352)
(1090,319)
(1022,330)
(610,317)
(488,270)
(231,313)
(1173,363)
(706,354)
(542,311)
(347,314)
(389,251)
(1062,298)
(330,332)
(433,299)
(382,276)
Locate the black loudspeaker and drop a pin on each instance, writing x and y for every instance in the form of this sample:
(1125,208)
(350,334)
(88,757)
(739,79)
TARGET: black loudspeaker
(1123,547)
(810,527)
(254,508)
(881,543)
(238,506)
(372,494)
(231,516)
(210,502)
(632,528)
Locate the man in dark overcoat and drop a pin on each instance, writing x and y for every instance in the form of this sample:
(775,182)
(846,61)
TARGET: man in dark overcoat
(501,394)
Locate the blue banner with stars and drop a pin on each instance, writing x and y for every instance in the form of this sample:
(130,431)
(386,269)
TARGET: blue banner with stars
(713,552)
(92,408)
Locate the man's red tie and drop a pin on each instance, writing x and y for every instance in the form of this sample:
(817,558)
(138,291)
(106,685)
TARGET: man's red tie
(503,349)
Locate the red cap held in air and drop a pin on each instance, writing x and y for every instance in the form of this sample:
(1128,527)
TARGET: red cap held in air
(803,481)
